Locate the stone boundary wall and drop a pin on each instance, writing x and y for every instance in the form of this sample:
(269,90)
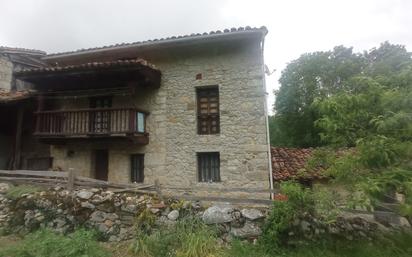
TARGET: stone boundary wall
(114,216)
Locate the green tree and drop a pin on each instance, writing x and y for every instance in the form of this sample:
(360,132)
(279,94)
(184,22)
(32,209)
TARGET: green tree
(355,78)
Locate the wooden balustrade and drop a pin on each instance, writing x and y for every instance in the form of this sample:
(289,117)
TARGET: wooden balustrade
(91,122)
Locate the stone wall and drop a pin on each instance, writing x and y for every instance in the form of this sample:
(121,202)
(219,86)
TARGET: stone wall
(115,215)
(170,155)
(6,73)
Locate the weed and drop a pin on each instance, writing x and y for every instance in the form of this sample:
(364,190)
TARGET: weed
(16,192)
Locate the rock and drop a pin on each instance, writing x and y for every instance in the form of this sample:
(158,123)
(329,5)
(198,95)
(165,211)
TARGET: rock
(108,223)
(84,194)
(249,230)
(163,221)
(154,210)
(173,215)
(4,187)
(98,216)
(403,222)
(88,205)
(252,214)
(304,225)
(112,216)
(218,214)
(131,208)
(102,228)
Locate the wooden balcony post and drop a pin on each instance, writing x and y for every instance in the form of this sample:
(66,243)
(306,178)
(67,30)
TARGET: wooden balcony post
(132,121)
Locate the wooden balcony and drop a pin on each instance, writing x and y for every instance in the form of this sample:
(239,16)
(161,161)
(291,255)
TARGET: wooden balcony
(93,123)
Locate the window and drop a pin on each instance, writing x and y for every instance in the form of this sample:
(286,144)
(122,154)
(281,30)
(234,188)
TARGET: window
(137,168)
(208,110)
(140,122)
(208,166)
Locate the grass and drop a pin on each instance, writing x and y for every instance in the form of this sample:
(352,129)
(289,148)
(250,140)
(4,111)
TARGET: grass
(191,238)
(397,245)
(188,238)
(16,192)
(45,243)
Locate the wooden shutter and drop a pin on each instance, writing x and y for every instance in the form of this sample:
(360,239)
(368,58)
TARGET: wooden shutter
(208,110)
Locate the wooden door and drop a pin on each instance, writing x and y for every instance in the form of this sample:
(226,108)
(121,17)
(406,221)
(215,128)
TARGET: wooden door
(101,164)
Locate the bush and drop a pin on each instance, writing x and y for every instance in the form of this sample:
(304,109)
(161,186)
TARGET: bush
(299,203)
(45,243)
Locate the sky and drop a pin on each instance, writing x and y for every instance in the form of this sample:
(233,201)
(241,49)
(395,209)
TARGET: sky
(295,26)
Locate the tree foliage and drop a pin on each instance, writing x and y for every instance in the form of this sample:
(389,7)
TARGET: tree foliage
(357,81)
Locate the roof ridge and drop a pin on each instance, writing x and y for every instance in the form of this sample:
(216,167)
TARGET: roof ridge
(193,35)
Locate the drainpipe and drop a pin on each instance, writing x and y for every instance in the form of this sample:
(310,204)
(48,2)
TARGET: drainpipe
(267,117)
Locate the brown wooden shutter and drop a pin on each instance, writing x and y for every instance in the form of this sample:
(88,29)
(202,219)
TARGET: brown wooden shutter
(208,110)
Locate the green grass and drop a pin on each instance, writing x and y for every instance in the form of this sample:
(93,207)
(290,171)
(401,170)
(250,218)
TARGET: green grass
(397,245)
(16,192)
(45,243)
(188,238)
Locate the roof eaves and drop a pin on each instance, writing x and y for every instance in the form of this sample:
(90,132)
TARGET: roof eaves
(232,33)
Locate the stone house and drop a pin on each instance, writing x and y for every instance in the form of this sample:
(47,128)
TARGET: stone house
(18,148)
(188,110)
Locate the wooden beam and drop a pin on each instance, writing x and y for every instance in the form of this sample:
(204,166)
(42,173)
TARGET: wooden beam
(17,140)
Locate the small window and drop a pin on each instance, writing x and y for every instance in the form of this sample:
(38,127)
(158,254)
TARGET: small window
(208,110)
(140,122)
(137,168)
(208,166)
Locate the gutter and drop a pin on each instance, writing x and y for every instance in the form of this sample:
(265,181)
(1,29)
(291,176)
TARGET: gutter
(267,120)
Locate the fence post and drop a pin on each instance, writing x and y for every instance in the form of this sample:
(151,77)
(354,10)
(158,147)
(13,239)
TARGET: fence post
(158,190)
(70,180)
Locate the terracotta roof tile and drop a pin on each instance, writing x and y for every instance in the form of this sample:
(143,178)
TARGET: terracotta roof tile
(10,96)
(290,163)
(85,66)
(171,39)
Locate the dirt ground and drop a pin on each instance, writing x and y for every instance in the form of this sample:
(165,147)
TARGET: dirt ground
(8,240)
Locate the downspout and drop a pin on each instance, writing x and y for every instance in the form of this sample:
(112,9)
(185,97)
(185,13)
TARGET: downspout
(267,117)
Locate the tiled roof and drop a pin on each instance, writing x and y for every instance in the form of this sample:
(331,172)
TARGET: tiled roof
(86,66)
(290,163)
(5,49)
(10,96)
(170,39)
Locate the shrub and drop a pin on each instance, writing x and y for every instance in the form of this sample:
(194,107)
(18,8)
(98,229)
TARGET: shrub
(299,203)
(45,243)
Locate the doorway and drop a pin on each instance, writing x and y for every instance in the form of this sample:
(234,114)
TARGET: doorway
(101,164)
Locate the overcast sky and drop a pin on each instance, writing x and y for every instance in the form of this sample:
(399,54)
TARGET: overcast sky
(295,26)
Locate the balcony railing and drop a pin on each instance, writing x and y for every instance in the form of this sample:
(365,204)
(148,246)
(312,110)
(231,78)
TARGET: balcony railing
(97,122)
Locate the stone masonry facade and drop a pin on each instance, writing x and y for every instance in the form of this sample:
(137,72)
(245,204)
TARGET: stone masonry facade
(171,154)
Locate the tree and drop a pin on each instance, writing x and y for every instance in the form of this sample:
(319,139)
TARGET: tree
(321,75)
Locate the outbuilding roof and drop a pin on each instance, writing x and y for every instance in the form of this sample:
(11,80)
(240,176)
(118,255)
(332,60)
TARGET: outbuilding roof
(291,164)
